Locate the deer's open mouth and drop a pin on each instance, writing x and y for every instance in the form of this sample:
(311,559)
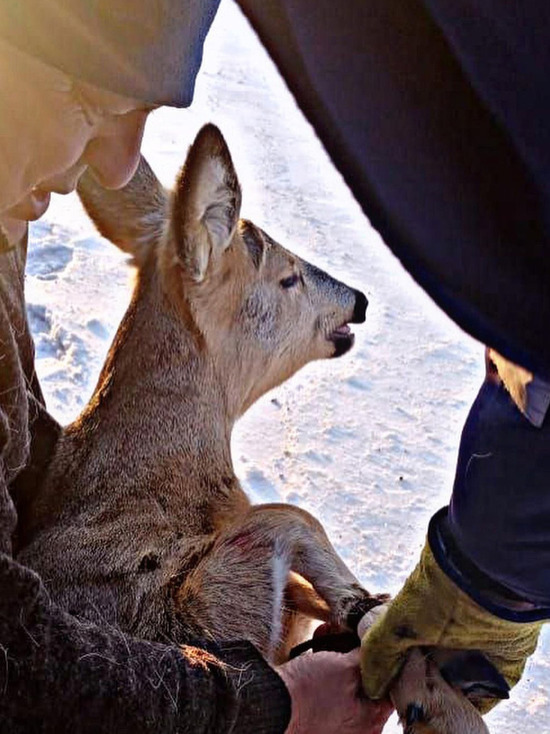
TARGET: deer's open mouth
(343,339)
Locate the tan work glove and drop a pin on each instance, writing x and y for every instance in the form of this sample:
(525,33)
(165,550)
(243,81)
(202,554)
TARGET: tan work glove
(431,611)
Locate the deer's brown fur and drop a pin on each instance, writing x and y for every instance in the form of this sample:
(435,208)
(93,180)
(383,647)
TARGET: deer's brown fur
(142,522)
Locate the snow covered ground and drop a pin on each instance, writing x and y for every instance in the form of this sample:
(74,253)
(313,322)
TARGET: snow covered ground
(367,442)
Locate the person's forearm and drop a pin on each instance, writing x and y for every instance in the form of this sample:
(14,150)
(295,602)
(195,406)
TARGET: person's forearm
(58,674)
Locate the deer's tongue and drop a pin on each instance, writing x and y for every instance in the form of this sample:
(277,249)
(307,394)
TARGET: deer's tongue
(342,330)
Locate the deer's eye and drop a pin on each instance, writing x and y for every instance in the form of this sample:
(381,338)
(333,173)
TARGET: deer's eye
(290,282)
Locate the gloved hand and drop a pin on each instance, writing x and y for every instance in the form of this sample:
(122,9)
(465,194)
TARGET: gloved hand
(432,611)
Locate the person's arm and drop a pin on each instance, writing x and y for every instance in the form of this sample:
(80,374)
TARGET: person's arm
(483,581)
(58,674)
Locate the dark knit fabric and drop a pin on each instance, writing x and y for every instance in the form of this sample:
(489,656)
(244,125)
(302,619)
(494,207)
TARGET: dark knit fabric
(58,674)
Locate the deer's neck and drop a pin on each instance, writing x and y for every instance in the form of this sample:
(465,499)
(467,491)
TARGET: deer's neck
(158,393)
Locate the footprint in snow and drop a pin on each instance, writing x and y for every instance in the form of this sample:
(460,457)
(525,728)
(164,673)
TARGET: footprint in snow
(46,260)
(98,329)
(260,488)
(53,341)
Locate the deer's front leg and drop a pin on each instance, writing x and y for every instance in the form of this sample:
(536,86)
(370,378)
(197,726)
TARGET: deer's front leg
(251,583)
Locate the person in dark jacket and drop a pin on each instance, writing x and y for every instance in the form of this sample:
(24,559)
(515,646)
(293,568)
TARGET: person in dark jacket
(436,113)
(77,81)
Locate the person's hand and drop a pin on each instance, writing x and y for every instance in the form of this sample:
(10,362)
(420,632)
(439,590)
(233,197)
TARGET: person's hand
(431,611)
(327,696)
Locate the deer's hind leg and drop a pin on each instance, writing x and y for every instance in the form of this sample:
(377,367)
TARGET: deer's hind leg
(265,575)
(237,592)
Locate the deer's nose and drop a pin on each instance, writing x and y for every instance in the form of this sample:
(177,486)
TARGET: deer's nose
(360,308)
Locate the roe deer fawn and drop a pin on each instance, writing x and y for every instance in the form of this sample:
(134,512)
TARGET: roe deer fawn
(141,521)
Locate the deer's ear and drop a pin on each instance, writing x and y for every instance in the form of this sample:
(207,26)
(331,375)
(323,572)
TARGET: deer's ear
(133,217)
(475,676)
(207,203)
(254,242)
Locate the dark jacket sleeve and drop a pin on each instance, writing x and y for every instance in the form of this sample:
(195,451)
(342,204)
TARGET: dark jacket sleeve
(494,538)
